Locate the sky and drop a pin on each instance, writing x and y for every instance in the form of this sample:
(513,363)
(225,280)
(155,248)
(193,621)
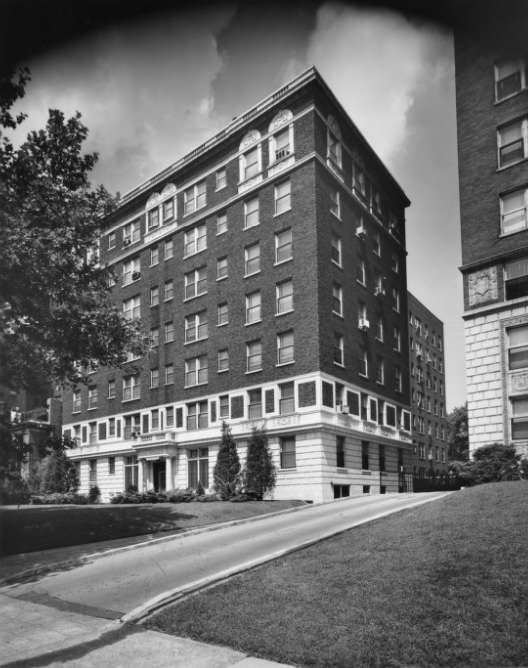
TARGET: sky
(151,90)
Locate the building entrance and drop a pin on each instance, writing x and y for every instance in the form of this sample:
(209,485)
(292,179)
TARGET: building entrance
(159,470)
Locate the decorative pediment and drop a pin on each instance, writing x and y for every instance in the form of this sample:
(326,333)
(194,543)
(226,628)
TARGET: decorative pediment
(168,191)
(282,118)
(252,137)
(153,201)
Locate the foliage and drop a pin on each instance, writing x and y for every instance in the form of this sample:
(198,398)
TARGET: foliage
(259,474)
(56,315)
(491,463)
(227,469)
(59,498)
(94,494)
(57,473)
(13,453)
(170,496)
(457,434)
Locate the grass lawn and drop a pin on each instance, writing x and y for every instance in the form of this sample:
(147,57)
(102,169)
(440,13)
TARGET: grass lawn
(444,584)
(32,528)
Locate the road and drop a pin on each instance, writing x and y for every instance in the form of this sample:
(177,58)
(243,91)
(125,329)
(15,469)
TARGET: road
(127,583)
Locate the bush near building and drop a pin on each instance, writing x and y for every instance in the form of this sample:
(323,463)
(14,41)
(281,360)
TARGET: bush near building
(492,463)
(227,469)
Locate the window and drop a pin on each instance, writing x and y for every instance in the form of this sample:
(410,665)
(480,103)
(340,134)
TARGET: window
(283,246)
(517,348)
(167,210)
(92,397)
(337,299)
(285,348)
(376,244)
(336,249)
(154,296)
(513,208)
(132,426)
(221,179)
(111,389)
(397,338)
(92,469)
(380,329)
(153,219)
(361,272)
(155,422)
(223,360)
(380,371)
(359,185)
(169,416)
(335,203)
(519,420)
(284,297)
(194,198)
(154,256)
(516,278)
(131,233)
(251,164)
(362,312)
(398,379)
(509,78)
(339,349)
(198,467)
(390,415)
(224,406)
(395,263)
(251,213)
(282,197)
(131,271)
(195,240)
(252,259)
(254,356)
(111,427)
(396,300)
(154,378)
(375,202)
(334,151)
(221,223)
(513,142)
(221,268)
(254,404)
(280,145)
(340,452)
(363,362)
(169,249)
(222,314)
(169,332)
(196,327)
(131,472)
(196,283)
(131,388)
(381,456)
(169,374)
(76,401)
(287,398)
(196,372)
(253,304)
(287,452)
(112,240)
(365,455)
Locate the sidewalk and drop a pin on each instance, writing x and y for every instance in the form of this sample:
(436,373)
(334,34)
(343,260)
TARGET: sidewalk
(38,635)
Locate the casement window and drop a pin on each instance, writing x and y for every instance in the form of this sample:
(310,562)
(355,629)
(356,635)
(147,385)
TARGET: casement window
(336,249)
(168,249)
(169,374)
(198,467)
(252,259)
(335,203)
(221,179)
(510,78)
(195,240)
(221,268)
(221,223)
(131,233)
(397,338)
(253,307)
(154,378)
(222,314)
(286,398)
(380,371)
(282,194)
(365,455)
(516,278)
(340,452)
(255,404)
(285,348)
(76,401)
(283,246)
(169,332)
(111,389)
(132,308)
(197,417)
(167,210)
(519,419)
(196,371)
(131,271)
(512,142)
(517,348)
(196,327)
(194,198)
(254,356)
(154,256)
(196,283)
(251,213)
(284,297)
(380,329)
(153,219)
(337,299)
(287,452)
(154,296)
(361,274)
(398,379)
(396,300)
(513,208)
(339,349)
(363,362)
(131,388)
(280,145)
(224,406)
(112,240)
(223,360)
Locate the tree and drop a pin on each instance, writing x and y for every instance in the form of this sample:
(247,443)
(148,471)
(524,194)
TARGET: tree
(58,474)
(56,316)
(457,437)
(492,463)
(260,470)
(227,469)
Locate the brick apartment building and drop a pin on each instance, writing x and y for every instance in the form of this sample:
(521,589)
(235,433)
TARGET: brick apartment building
(268,268)
(429,421)
(492,118)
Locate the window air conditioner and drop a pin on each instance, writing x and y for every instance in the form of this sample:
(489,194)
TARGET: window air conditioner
(126,242)
(345,409)
(364,323)
(379,291)
(136,275)
(361,232)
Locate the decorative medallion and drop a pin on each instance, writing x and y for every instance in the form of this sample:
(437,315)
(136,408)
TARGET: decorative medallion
(482,286)
(252,137)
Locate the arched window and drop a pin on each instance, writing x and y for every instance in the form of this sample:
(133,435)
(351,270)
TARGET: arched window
(281,136)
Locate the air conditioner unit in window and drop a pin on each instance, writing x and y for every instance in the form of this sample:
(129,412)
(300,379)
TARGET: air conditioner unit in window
(361,232)
(136,275)
(126,242)
(134,434)
(363,324)
(419,356)
(345,409)
(379,291)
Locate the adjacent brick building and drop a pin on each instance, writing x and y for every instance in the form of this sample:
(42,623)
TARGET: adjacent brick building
(268,268)
(492,118)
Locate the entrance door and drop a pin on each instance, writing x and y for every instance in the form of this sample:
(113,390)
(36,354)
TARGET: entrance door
(159,475)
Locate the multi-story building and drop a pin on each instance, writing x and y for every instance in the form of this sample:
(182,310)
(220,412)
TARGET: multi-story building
(268,268)
(429,421)
(492,118)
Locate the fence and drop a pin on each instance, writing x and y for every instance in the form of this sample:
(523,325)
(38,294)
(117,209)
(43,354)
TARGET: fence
(410,482)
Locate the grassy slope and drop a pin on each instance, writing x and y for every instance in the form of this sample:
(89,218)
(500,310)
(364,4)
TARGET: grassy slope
(32,528)
(444,584)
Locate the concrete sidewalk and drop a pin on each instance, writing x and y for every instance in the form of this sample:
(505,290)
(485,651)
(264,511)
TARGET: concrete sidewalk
(39,635)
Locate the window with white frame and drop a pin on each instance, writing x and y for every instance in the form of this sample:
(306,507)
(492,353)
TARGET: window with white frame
(169,416)
(196,371)
(131,270)
(169,332)
(280,145)
(254,356)
(513,142)
(376,244)
(362,312)
(339,349)
(251,213)
(398,379)
(221,223)
(255,403)
(516,278)
(395,263)
(282,195)
(337,299)
(92,397)
(287,398)
(251,163)
(363,362)
(197,419)
(194,198)
(112,240)
(224,405)
(221,179)
(196,283)
(252,259)
(132,308)
(380,329)
(169,374)
(397,338)
(222,314)
(361,274)
(519,419)
(131,233)
(168,290)
(375,202)
(169,249)
(510,78)
(153,219)
(154,256)
(380,371)
(223,360)
(335,203)
(517,348)
(336,252)
(285,348)
(253,307)
(131,388)
(284,297)
(154,378)
(196,327)
(359,185)
(287,452)
(283,246)
(221,268)
(334,149)
(390,415)
(195,240)
(154,337)
(513,207)
(154,295)
(167,210)
(396,300)
(111,389)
